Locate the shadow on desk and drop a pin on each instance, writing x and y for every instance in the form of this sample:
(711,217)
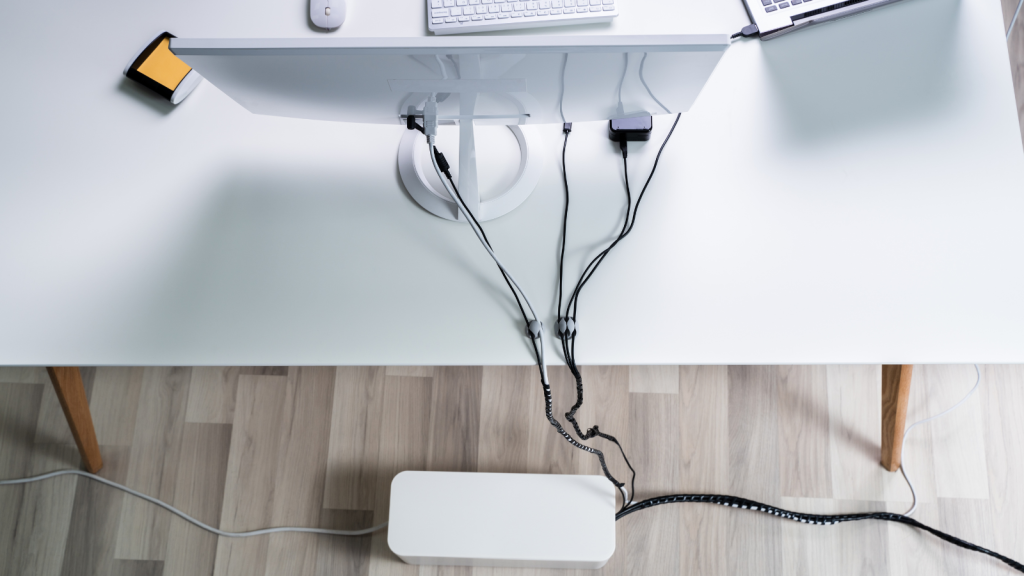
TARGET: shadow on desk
(144,96)
(904,50)
(275,247)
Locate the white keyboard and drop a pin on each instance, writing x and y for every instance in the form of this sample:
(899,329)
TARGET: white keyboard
(461,16)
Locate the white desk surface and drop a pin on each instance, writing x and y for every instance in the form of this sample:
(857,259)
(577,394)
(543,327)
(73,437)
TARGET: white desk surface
(847,194)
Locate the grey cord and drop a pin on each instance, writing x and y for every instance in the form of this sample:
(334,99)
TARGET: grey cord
(188,518)
(642,61)
(1014,20)
(903,460)
(561,94)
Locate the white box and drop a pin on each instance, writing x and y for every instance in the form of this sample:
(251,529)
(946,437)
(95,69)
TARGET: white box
(519,520)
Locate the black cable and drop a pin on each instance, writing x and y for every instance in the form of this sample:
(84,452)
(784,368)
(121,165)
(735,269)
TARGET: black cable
(569,340)
(592,267)
(566,127)
(747,31)
(515,295)
(819,519)
(569,355)
(444,166)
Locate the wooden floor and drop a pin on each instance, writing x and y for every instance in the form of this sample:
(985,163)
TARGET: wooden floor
(256,447)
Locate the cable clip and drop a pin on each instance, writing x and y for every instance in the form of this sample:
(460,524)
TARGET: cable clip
(533,329)
(566,327)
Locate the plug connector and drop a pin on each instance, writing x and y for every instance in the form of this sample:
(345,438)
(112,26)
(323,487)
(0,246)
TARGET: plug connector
(747,31)
(442,163)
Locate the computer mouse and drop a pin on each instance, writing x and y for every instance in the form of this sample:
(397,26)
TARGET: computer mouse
(327,14)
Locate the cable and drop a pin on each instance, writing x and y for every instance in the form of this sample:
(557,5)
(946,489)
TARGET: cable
(903,468)
(443,164)
(188,518)
(568,337)
(1013,20)
(535,328)
(644,82)
(588,272)
(819,519)
(747,31)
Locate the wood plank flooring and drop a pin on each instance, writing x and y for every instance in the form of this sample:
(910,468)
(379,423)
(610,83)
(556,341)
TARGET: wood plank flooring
(246,448)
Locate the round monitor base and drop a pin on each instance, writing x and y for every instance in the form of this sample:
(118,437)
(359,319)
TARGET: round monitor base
(414,176)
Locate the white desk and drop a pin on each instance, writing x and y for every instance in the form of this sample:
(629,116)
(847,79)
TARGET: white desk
(852,193)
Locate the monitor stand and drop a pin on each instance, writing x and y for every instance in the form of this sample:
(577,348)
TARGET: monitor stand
(414,169)
(437,202)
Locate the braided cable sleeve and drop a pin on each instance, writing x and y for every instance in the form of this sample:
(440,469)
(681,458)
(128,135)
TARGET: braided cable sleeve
(819,519)
(549,413)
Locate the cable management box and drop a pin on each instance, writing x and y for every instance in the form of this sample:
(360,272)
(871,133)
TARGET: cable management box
(519,520)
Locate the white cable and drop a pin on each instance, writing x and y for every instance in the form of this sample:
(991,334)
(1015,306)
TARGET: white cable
(1013,20)
(465,212)
(188,518)
(903,459)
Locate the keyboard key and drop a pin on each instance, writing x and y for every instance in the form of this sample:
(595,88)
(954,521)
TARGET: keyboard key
(493,9)
(519,6)
(770,9)
(478,17)
(450,19)
(436,4)
(795,2)
(609,8)
(506,7)
(502,15)
(783,5)
(517,14)
(531,5)
(490,17)
(556,11)
(472,2)
(595,2)
(570,3)
(530,13)
(543,12)
(556,3)
(439,12)
(587,9)
(437,20)
(449,3)
(463,18)
(460,2)
(455,11)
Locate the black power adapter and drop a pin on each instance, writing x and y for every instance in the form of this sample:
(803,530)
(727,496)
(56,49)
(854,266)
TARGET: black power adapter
(637,129)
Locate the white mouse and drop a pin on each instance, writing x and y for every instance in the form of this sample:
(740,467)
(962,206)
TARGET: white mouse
(327,14)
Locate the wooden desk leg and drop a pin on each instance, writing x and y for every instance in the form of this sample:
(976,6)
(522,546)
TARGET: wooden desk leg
(67,383)
(895,394)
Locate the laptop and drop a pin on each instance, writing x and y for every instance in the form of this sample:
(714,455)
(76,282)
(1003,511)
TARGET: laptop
(777,17)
